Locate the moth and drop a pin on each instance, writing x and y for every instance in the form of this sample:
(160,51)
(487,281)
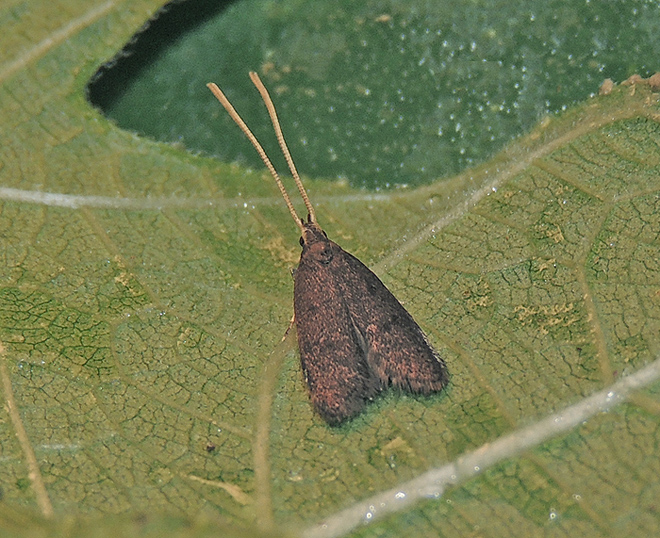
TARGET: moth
(355,338)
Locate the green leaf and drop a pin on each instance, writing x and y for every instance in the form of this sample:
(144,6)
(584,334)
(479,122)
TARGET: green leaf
(144,293)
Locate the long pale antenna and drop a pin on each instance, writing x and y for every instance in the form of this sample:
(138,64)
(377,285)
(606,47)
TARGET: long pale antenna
(217,92)
(280,140)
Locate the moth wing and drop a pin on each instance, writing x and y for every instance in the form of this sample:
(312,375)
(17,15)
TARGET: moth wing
(398,351)
(332,352)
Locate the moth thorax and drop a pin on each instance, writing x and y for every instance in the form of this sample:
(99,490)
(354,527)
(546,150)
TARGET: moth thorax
(320,251)
(315,243)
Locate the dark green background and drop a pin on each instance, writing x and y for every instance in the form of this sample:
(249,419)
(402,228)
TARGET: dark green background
(387,93)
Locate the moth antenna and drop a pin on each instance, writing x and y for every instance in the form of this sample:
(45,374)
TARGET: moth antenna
(280,140)
(262,153)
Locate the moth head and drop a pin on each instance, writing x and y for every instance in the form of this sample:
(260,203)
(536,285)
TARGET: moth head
(312,233)
(315,242)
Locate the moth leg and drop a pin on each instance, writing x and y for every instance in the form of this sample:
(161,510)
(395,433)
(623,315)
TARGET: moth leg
(286,333)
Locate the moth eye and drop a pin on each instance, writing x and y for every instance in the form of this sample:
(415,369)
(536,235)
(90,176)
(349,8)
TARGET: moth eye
(301,241)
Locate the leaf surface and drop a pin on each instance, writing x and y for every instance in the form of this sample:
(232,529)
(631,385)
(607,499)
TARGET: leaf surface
(145,291)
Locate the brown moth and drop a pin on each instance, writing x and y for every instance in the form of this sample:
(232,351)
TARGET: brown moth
(355,338)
